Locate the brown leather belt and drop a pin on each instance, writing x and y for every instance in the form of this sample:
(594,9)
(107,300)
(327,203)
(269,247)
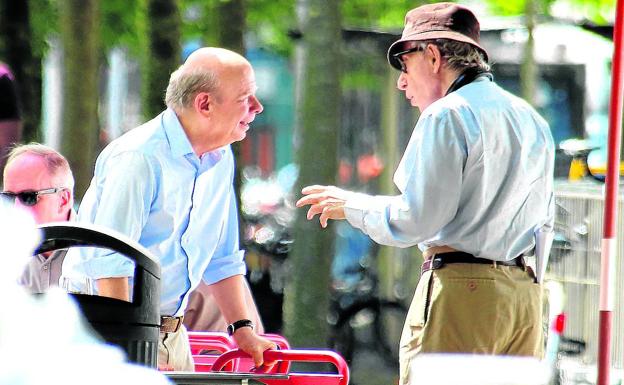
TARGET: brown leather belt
(170,324)
(440,257)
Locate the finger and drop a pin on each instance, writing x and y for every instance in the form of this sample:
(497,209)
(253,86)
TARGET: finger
(269,364)
(314,210)
(311,199)
(258,357)
(314,189)
(325,216)
(323,205)
(331,212)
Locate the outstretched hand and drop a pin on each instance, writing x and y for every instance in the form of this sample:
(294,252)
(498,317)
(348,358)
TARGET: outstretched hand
(328,201)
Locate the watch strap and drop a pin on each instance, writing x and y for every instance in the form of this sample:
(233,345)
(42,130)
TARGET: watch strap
(242,323)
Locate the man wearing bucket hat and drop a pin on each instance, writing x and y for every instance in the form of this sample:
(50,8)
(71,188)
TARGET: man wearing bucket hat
(475,183)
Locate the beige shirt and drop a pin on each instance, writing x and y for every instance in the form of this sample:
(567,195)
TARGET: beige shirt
(203,314)
(41,273)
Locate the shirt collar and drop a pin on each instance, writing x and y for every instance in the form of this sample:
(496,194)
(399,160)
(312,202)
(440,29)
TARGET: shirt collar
(181,146)
(178,141)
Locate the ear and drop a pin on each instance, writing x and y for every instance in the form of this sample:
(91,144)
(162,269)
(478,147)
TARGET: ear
(202,103)
(67,201)
(434,57)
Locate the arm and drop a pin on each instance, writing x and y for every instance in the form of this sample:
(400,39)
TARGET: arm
(225,275)
(429,178)
(114,288)
(119,199)
(230,295)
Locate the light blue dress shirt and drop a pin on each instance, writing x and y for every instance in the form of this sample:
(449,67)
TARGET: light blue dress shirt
(477,175)
(151,186)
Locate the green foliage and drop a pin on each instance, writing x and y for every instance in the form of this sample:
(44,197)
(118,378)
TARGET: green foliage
(593,10)
(517,7)
(269,23)
(44,16)
(383,14)
(361,78)
(121,24)
(200,20)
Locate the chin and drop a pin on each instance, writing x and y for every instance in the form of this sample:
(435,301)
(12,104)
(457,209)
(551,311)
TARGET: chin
(241,136)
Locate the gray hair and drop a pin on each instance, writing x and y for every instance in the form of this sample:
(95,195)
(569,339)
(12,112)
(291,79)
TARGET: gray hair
(56,164)
(460,55)
(185,84)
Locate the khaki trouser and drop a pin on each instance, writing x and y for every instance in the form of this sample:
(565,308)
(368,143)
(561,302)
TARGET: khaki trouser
(174,351)
(473,308)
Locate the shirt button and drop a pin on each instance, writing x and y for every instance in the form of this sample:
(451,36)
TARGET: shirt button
(45,267)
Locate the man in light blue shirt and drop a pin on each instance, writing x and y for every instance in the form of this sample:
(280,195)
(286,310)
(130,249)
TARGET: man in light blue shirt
(169,185)
(475,184)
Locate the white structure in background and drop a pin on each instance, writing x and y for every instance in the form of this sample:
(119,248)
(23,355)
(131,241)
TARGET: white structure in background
(116,91)
(559,44)
(52,107)
(120,102)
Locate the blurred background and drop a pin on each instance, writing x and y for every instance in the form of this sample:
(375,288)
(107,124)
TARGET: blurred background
(75,74)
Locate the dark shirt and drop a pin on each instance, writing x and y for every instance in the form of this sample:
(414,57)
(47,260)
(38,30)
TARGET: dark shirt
(9,103)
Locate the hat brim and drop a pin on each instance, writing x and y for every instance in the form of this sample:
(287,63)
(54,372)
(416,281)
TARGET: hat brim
(429,35)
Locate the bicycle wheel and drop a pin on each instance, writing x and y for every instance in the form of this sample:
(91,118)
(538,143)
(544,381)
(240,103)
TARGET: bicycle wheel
(388,328)
(342,340)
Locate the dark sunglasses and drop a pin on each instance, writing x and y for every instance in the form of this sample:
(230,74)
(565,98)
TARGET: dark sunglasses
(30,198)
(399,56)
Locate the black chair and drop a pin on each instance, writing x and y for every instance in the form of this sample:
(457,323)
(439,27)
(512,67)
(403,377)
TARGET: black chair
(133,326)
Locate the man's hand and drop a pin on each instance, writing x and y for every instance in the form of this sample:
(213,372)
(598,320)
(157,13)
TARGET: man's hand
(254,345)
(328,201)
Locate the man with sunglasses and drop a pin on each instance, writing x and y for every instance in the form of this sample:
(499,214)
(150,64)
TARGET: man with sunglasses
(475,185)
(38,179)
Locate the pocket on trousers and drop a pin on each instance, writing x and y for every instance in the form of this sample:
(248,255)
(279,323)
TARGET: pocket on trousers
(419,309)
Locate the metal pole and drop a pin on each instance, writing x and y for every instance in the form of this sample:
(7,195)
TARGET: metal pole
(609,240)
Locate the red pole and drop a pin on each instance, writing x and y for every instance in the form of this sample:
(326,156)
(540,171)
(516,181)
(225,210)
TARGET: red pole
(609,239)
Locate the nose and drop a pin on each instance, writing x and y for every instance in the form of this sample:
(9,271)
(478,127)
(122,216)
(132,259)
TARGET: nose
(256,106)
(402,81)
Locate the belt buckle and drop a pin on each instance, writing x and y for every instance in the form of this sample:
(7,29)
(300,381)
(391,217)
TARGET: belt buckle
(165,321)
(436,262)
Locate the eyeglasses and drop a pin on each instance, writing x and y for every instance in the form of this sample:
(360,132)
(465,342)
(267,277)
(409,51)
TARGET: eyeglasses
(399,55)
(30,198)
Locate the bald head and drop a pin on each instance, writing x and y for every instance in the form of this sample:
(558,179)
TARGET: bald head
(214,58)
(201,72)
(50,160)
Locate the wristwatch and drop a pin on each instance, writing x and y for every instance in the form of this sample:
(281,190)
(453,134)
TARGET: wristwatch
(233,327)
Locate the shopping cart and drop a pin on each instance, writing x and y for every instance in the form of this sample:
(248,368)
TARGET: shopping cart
(283,359)
(206,347)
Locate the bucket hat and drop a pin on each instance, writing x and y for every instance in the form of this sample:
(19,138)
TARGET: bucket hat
(438,21)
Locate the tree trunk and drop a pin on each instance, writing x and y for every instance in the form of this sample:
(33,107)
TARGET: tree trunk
(231,25)
(230,33)
(307,294)
(24,61)
(80,128)
(163,27)
(528,68)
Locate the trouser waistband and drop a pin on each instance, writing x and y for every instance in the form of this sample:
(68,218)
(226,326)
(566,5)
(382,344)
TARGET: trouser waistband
(438,260)
(170,324)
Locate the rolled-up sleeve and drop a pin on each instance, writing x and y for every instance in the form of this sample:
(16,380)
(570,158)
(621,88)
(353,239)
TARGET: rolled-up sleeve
(123,196)
(227,260)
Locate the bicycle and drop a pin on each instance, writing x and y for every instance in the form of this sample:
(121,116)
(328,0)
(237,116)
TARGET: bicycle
(362,320)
